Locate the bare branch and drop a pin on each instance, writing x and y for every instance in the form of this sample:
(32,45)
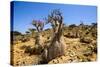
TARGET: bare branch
(38,24)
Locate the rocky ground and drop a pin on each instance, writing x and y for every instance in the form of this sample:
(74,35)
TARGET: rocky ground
(76,51)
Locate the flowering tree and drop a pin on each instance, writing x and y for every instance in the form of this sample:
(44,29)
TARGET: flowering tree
(38,42)
(56,47)
(55,18)
(38,24)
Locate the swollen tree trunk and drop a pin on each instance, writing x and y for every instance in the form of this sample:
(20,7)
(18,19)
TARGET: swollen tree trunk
(55,50)
(38,43)
(56,47)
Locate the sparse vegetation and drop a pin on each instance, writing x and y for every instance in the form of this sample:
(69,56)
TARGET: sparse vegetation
(59,44)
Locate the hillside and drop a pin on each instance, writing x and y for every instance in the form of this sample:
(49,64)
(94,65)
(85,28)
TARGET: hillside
(81,46)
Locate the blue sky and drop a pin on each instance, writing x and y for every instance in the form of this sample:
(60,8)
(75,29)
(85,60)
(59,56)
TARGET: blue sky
(25,12)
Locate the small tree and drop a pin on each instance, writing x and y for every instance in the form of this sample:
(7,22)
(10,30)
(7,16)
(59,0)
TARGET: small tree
(39,28)
(94,24)
(72,26)
(32,30)
(27,32)
(16,33)
(56,47)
